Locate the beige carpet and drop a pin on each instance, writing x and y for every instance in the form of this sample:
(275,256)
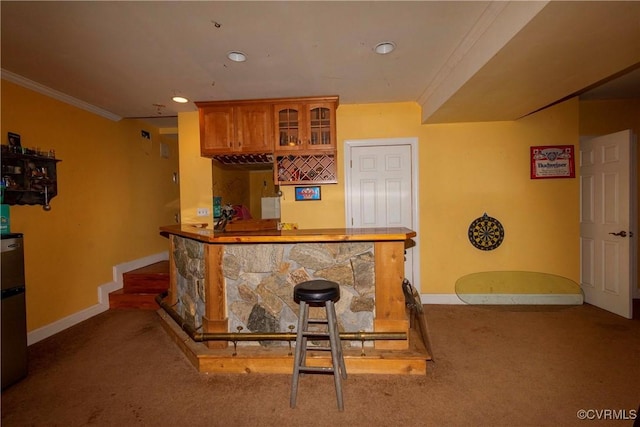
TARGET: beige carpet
(495,366)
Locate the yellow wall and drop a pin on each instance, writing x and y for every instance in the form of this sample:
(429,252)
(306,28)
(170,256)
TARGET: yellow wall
(196,185)
(466,170)
(258,190)
(609,116)
(353,122)
(114,191)
(232,185)
(201,179)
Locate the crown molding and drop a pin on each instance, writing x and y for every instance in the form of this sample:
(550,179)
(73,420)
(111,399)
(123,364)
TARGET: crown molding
(37,87)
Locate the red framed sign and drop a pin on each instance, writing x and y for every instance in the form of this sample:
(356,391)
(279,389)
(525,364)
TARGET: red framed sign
(552,161)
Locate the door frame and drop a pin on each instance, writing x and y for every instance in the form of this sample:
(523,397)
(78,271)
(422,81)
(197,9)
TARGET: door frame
(415,211)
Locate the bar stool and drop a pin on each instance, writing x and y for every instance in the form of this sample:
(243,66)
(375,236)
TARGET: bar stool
(318,293)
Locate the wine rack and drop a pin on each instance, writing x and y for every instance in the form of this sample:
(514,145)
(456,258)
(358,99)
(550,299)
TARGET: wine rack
(319,169)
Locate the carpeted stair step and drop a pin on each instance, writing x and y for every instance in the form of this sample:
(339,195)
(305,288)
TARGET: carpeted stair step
(141,286)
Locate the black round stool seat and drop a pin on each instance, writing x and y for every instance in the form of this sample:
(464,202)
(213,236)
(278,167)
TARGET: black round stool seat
(316,291)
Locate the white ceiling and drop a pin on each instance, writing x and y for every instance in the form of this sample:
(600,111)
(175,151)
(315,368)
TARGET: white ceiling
(461,61)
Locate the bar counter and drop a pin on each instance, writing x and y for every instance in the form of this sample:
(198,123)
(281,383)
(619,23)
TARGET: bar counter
(221,281)
(208,235)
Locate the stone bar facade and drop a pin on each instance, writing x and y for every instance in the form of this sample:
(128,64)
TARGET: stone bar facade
(259,281)
(224,281)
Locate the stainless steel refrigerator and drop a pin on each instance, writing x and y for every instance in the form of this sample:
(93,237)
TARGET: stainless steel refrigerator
(14,319)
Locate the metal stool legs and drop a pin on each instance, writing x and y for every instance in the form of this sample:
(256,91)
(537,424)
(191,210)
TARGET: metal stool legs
(299,364)
(299,355)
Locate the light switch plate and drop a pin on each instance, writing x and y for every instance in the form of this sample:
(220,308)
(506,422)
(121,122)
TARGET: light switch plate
(164,150)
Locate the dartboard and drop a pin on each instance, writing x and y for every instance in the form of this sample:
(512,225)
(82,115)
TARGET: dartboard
(486,233)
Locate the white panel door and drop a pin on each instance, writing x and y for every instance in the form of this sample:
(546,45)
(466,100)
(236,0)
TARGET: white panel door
(607,222)
(381,190)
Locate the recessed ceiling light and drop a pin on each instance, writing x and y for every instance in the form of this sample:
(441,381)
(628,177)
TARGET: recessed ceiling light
(236,56)
(180,99)
(384,48)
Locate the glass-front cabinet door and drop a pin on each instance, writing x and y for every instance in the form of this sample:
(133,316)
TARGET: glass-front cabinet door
(321,125)
(288,126)
(305,126)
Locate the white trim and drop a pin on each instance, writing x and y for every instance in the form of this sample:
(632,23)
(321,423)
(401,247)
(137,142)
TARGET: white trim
(500,299)
(633,226)
(103,299)
(52,93)
(524,299)
(62,324)
(445,299)
(415,214)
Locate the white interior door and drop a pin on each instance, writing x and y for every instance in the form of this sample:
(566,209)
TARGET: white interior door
(607,221)
(380,190)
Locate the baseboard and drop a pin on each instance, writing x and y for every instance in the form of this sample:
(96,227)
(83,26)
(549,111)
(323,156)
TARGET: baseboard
(498,299)
(103,299)
(446,299)
(524,299)
(62,324)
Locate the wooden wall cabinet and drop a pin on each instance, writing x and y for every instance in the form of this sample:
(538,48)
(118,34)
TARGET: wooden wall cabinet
(299,133)
(30,179)
(305,125)
(235,127)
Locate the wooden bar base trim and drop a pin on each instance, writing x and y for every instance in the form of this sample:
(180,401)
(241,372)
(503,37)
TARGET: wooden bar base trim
(412,361)
(216,326)
(382,325)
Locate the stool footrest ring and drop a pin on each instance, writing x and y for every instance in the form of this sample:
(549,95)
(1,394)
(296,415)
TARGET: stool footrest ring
(315,369)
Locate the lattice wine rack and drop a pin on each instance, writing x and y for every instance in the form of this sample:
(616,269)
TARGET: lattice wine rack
(319,169)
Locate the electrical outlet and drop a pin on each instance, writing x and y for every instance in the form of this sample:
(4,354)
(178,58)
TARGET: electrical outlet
(203,211)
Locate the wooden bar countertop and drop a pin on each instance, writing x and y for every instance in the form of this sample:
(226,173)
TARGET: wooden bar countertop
(208,235)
